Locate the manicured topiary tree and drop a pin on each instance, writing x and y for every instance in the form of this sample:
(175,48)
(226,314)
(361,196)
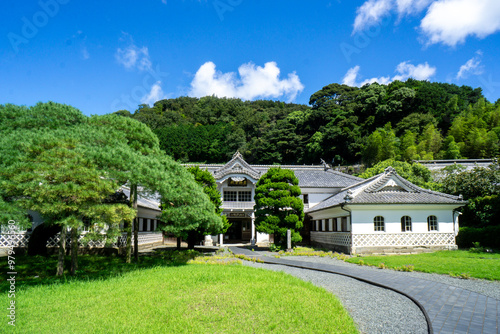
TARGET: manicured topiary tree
(278,206)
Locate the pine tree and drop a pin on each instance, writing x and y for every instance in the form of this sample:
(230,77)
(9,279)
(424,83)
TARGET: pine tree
(278,207)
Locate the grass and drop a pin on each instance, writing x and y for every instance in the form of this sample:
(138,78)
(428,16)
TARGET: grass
(458,263)
(171,296)
(36,270)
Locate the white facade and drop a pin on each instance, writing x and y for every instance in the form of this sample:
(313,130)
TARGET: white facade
(341,209)
(386,214)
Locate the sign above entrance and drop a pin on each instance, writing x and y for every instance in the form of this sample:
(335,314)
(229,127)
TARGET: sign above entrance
(237,182)
(237,214)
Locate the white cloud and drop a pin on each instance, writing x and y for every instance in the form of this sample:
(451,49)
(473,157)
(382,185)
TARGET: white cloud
(155,94)
(85,53)
(451,21)
(446,21)
(351,76)
(371,13)
(472,66)
(253,82)
(405,70)
(409,7)
(133,57)
(419,72)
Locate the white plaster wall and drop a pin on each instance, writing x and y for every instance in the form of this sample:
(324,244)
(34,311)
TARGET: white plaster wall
(148,213)
(363,219)
(262,237)
(314,199)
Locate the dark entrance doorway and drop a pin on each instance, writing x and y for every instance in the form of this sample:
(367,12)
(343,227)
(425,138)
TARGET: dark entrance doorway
(239,231)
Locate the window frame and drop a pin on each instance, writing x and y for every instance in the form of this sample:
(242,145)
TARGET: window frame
(379,224)
(228,196)
(406,224)
(244,194)
(433,223)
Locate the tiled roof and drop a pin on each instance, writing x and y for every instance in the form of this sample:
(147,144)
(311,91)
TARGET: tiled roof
(324,179)
(310,176)
(236,166)
(387,188)
(143,201)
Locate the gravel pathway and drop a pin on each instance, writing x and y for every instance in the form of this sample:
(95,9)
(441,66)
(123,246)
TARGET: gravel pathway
(487,288)
(374,310)
(377,310)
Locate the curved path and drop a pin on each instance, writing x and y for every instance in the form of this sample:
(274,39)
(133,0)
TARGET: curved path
(448,309)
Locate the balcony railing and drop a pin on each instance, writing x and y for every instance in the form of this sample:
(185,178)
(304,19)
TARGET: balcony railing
(237,205)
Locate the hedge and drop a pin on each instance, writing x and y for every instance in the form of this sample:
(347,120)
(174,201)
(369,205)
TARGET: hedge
(487,236)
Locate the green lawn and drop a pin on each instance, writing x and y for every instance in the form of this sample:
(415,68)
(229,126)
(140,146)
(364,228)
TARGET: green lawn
(456,263)
(190,298)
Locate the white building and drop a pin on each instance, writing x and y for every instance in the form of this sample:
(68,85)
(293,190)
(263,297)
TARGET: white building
(385,213)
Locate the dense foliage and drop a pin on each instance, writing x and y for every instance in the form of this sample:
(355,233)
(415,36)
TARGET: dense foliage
(205,179)
(413,172)
(481,187)
(278,207)
(405,121)
(64,165)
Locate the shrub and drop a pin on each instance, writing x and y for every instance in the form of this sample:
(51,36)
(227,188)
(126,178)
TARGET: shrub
(476,248)
(486,236)
(274,248)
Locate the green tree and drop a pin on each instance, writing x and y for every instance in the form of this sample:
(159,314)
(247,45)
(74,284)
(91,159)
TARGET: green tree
(477,182)
(278,207)
(205,179)
(55,178)
(429,143)
(381,145)
(409,147)
(480,186)
(121,149)
(413,172)
(452,150)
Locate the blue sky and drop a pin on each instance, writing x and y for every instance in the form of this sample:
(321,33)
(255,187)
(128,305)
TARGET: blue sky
(109,55)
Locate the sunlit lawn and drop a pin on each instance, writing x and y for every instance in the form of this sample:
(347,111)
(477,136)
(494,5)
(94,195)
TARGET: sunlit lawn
(456,262)
(182,298)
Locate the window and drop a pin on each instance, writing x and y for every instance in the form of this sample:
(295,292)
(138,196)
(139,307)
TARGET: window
(334,224)
(432,223)
(378,224)
(230,196)
(344,224)
(244,196)
(313,225)
(306,198)
(405,224)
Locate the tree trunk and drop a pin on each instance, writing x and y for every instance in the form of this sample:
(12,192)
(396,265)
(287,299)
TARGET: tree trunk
(193,239)
(74,250)
(128,247)
(62,252)
(179,240)
(136,239)
(133,198)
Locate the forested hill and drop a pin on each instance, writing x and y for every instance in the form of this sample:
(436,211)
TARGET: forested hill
(402,120)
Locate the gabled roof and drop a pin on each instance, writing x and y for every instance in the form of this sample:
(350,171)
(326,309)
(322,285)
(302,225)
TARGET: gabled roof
(387,188)
(310,176)
(236,166)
